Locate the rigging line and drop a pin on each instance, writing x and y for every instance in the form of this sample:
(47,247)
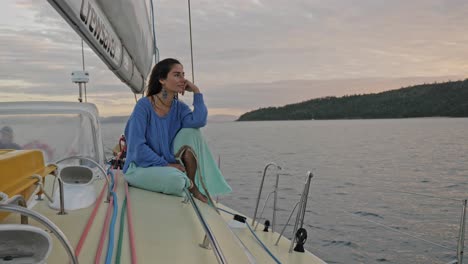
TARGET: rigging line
(325,233)
(398,231)
(405,192)
(83,65)
(156,50)
(387,214)
(413,193)
(191,46)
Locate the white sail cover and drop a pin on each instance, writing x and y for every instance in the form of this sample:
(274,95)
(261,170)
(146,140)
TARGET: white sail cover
(119,31)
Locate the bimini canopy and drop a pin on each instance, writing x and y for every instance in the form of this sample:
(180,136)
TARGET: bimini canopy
(59,129)
(119,31)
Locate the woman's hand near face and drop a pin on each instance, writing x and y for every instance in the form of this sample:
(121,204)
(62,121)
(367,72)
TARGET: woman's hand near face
(177,166)
(190,87)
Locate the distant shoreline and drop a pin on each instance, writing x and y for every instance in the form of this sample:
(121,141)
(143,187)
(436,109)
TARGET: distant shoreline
(437,100)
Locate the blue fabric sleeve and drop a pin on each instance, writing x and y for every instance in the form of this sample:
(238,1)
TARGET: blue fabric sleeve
(198,117)
(136,140)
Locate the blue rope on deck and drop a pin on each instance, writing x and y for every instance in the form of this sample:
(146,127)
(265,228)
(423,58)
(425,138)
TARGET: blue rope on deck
(110,244)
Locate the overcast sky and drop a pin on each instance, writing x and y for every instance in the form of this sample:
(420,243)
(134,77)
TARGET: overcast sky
(249,53)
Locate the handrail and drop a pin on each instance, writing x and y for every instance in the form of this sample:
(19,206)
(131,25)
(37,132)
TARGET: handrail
(263,209)
(20,200)
(97,165)
(302,209)
(46,222)
(40,186)
(16,199)
(275,195)
(209,234)
(461,230)
(61,191)
(287,222)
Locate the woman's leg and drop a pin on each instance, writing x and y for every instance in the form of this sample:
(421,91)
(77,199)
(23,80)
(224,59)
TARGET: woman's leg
(207,173)
(166,180)
(190,164)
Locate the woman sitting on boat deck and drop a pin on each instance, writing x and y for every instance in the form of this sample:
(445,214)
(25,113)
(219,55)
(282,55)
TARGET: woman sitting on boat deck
(165,149)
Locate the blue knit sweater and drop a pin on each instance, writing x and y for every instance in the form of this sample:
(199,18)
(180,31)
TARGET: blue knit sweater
(150,137)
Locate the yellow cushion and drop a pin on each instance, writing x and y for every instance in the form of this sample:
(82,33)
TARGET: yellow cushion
(16,169)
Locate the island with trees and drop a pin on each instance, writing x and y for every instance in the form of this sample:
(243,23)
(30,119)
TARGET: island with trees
(448,99)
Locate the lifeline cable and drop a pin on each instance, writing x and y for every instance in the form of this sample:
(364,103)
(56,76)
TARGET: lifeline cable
(256,237)
(191,45)
(156,50)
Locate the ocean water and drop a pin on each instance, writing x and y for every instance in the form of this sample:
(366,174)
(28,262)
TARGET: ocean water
(383,191)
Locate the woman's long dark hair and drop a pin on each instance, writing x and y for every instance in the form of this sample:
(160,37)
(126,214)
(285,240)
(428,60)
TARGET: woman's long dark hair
(159,72)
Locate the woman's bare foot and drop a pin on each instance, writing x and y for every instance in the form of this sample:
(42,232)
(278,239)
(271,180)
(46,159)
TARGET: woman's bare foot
(197,194)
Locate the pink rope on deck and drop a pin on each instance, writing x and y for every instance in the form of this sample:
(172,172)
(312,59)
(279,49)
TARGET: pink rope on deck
(105,226)
(84,235)
(131,232)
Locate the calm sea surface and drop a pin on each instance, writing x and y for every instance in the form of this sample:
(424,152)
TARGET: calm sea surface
(384,191)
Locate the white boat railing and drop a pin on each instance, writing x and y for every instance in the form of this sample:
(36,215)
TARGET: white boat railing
(44,221)
(275,192)
(458,249)
(101,169)
(300,214)
(299,223)
(16,200)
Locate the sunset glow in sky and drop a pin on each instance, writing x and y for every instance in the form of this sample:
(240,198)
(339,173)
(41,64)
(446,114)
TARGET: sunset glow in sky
(249,53)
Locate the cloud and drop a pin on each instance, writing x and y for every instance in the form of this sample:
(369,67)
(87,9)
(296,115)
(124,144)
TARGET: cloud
(250,96)
(249,53)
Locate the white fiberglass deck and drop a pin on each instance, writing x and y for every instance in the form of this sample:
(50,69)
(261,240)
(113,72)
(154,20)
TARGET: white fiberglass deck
(166,231)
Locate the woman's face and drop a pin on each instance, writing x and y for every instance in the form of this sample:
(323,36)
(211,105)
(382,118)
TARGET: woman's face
(175,81)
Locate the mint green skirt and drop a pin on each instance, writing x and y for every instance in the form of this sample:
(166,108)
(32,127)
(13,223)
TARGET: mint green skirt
(172,181)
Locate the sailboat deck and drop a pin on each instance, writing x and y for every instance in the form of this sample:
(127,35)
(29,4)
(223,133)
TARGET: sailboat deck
(166,231)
